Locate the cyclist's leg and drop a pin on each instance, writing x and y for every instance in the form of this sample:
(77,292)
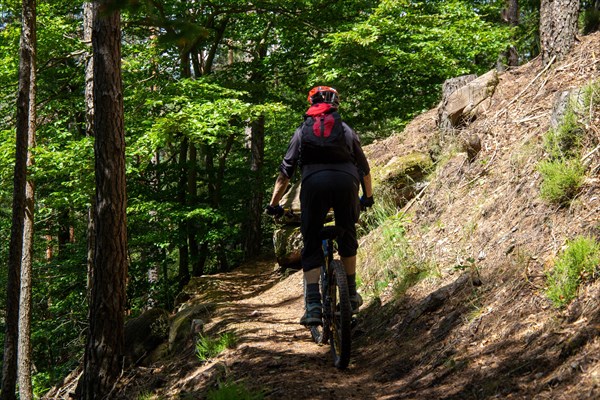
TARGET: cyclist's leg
(346,208)
(314,206)
(314,203)
(349,264)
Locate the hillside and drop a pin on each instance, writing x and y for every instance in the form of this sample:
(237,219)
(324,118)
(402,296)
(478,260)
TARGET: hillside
(480,327)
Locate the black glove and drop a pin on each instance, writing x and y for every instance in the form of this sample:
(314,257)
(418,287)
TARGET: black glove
(366,202)
(276,211)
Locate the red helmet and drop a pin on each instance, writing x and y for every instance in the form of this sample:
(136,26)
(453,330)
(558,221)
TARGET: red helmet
(324,94)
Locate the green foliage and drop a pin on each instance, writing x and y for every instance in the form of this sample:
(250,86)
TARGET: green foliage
(384,208)
(389,67)
(591,97)
(233,391)
(392,261)
(208,347)
(577,263)
(147,396)
(561,180)
(589,19)
(563,172)
(566,139)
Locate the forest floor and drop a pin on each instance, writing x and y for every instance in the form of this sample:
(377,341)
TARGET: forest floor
(480,327)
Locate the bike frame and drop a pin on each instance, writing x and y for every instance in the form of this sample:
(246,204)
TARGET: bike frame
(337,316)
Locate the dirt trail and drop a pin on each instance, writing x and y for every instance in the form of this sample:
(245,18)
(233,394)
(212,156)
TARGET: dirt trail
(274,353)
(426,345)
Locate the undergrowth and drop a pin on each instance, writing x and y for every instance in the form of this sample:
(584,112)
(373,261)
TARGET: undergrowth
(384,207)
(563,172)
(392,261)
(562,180)
(233,391)
(577,263)
(208,347)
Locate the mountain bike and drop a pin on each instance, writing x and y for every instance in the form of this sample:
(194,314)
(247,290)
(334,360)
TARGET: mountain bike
(337,311)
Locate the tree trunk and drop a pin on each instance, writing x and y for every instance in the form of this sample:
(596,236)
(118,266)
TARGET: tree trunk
(201,262)
(512,17)
(89,10)
(193,193)
(184,254)
(210,58)
(64,232)
(558,27)
(252,226)
(24,347)
(24,105)
(104,350)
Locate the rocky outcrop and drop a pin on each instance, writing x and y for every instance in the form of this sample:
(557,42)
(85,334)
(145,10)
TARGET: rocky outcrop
(144,333)
(402,174)
(186,324)
(463,98)
(287,241)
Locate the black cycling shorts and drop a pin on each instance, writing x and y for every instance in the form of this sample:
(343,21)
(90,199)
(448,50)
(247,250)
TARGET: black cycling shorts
(320,192)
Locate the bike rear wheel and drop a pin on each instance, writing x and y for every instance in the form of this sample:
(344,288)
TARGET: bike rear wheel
(340,317)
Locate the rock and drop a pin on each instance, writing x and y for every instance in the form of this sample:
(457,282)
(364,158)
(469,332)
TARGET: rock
(472,146)
(464,103)
(291,199)
(181,330)
(568,99)
(287,241)
(144,333)
(402,173)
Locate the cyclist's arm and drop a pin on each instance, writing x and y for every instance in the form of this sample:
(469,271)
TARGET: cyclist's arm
(368,185)
(281,185)
(286,168)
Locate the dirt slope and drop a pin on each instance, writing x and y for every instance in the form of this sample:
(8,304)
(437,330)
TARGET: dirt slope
(501,339)
(446,338)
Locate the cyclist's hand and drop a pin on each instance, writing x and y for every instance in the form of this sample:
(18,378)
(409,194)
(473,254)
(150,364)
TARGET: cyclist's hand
(366,202)
(275,211)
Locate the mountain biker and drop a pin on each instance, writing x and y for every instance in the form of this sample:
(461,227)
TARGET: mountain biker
(330,179)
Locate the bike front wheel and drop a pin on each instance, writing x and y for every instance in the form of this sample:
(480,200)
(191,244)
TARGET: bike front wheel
(341,320)
(320,334)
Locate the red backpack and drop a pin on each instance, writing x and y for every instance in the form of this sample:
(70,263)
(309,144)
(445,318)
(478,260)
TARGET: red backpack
(323,137)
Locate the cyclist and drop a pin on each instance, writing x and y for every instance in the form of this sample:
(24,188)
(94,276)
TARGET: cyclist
(330,179)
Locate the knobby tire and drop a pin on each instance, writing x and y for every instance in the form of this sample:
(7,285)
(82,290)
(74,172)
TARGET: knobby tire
(320,334)
(341,320)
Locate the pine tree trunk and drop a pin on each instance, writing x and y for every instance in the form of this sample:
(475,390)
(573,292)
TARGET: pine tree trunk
(24,347)
(252,226)
(558,27)
(184,254)
(104,348)
(25,103)
(193,193)
(512,14)
(89,10)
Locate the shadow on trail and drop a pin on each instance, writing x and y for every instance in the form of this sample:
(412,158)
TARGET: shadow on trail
(439,347)
(459,341)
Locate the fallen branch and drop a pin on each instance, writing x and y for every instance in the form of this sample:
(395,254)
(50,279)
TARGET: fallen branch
(526,87)
(588,155)
(520,121)
(414,199)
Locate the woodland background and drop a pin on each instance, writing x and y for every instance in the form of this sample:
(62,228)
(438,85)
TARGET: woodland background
(212,91)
